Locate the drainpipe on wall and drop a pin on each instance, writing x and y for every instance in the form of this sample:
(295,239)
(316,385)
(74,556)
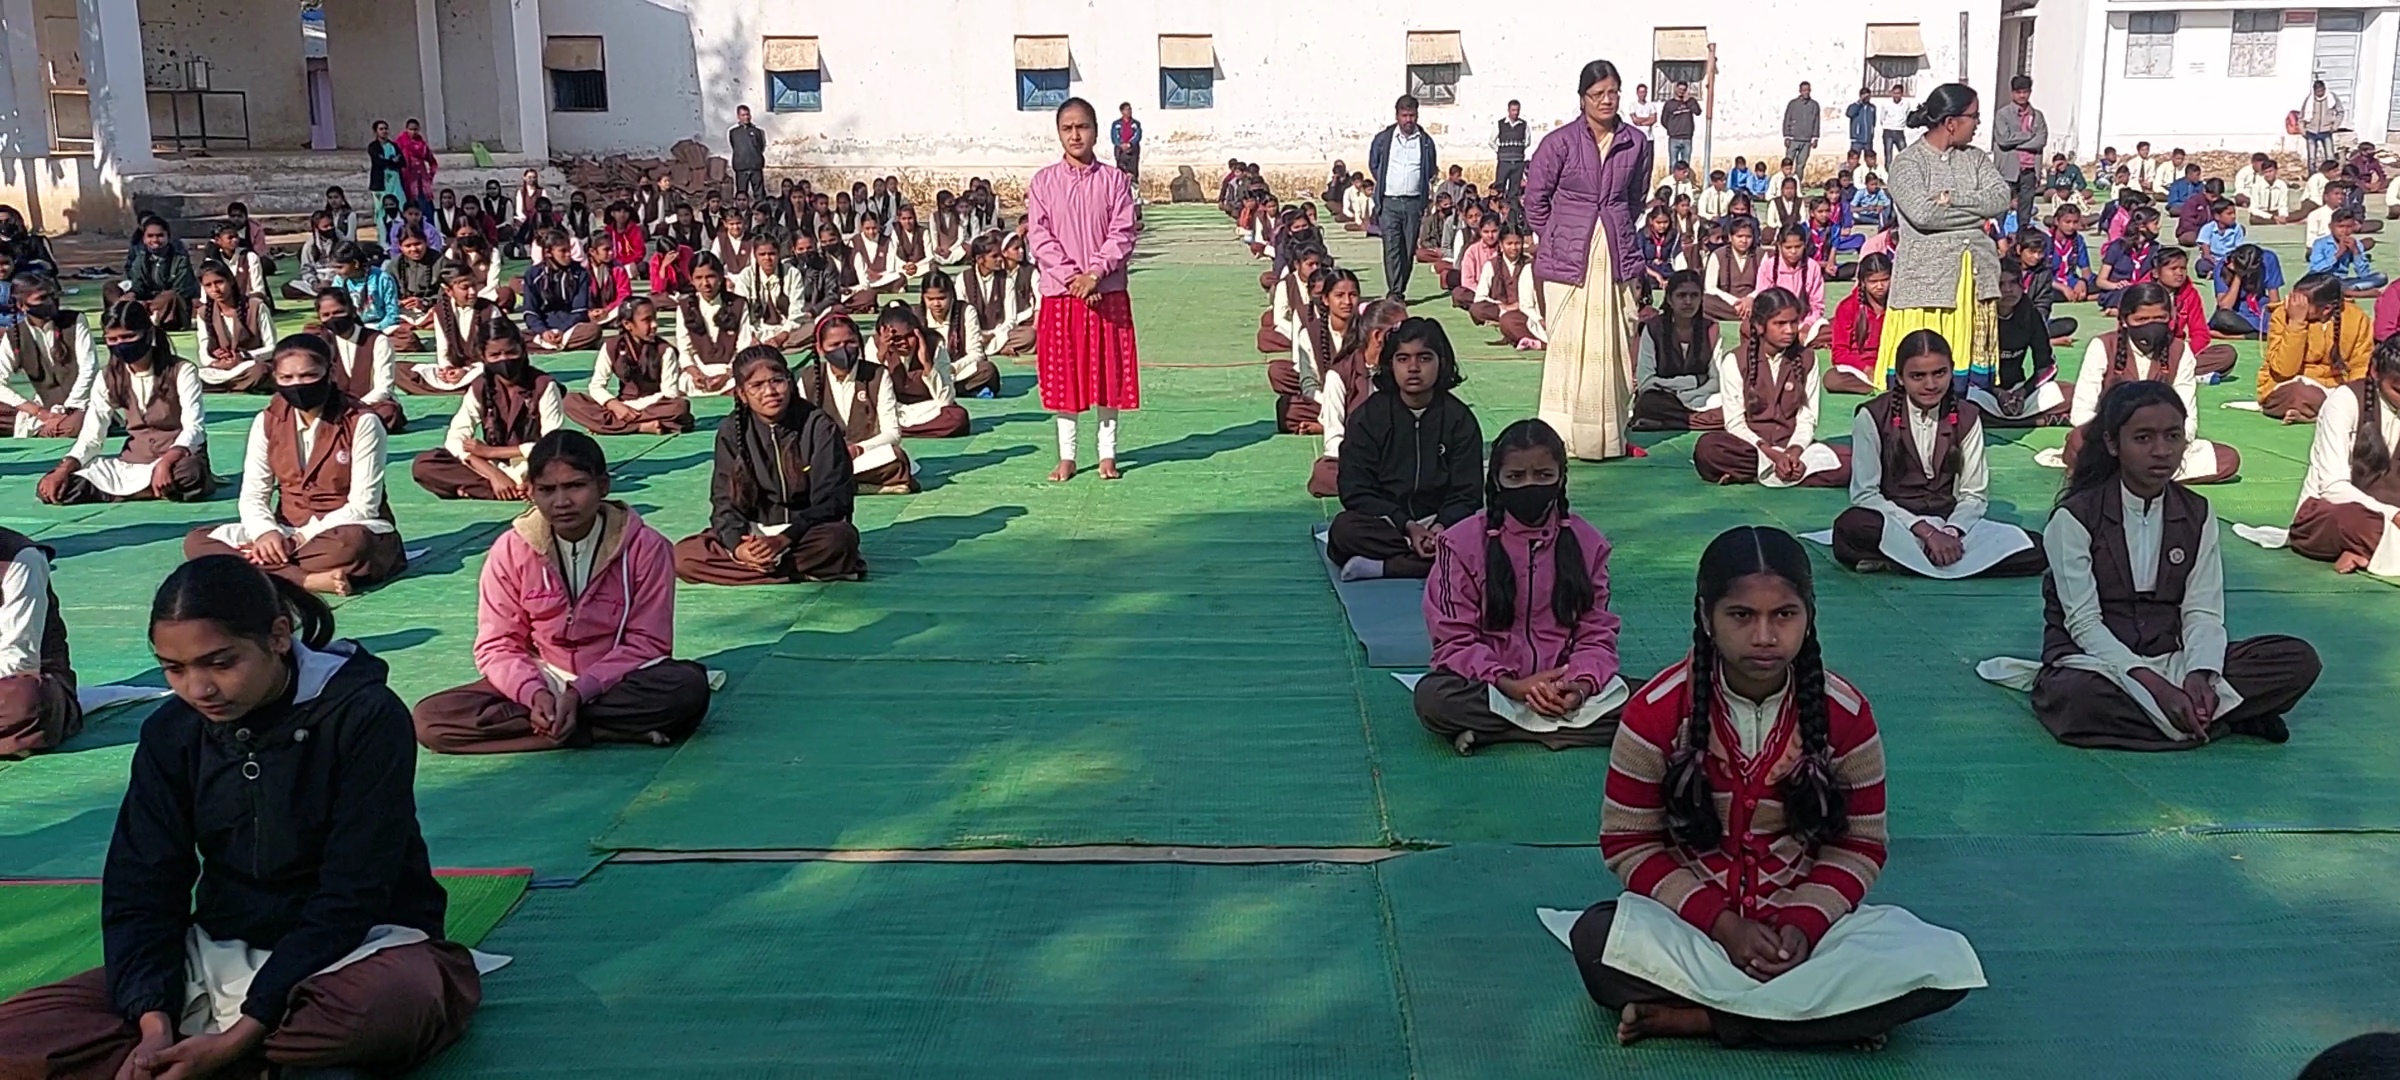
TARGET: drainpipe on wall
(1708,107)
(1962,47)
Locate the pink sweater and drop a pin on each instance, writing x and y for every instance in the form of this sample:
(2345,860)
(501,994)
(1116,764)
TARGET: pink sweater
(624,619)
(1805,281)
(1534,640)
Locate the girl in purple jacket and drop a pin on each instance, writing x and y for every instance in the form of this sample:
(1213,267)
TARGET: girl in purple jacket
(1524,646)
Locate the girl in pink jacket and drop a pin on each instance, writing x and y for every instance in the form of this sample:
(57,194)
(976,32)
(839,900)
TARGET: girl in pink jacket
(574,625)
(1524,646)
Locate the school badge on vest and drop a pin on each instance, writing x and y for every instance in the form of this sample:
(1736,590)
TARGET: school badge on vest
(2175,556)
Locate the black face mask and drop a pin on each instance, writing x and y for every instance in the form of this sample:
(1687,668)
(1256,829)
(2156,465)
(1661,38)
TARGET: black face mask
(45,311)
(307,396)
(843,358)
(132,352)
(1531,504)
(341,325)
(507,370)
(2151,339)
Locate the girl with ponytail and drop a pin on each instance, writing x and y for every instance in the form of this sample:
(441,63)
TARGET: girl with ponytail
(273,791)
(1674,363)
(2352,491)
(1524,646)
(1745,814)
(1858,329)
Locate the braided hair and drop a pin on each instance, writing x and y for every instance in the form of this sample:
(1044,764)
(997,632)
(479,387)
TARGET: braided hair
(1872,265)
(741,489)
(1814,801)
(1319,316)
(1765,304)
(2324,292)
(1571,592)
(2145,294)
(2370,456)
(503,329)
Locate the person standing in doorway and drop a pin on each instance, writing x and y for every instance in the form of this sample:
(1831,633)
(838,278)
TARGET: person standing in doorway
(1080,228)
(1891,118)
(418,167)
(1509,146)
(2019,132)
(1403,161)
(1679,115)
(1862,122)
(1126,136)
(749,153)
(2320,117)
(1801,127)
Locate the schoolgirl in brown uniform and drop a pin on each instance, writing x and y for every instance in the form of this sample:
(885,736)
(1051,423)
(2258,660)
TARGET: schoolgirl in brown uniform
(234,334)
(712,324)
(781,490)
(1920,485)
(52,348)
(2351,495)
(972,374)
(313,509)
(858,396)
(38,709)
(1771,390)
(363,365)
(648,394)
(919,369)
(462,322)
(510,406)
(156,395)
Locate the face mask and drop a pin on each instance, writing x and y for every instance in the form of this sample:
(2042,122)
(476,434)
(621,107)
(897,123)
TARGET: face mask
(1531,504)
(507,370)
(342,325)
(45,311)
(308,396)
(2151,339)
(843,358)
(129,351)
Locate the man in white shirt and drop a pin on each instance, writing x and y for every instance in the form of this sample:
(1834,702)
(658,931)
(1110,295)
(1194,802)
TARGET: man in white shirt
(1643,112)
(1403,160)
(1891,118)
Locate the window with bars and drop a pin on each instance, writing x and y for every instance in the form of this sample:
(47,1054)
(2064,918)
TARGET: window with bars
(1187,88)
(795,91)
(578,73)
(2150,44)
(1433,84)
(2254,37)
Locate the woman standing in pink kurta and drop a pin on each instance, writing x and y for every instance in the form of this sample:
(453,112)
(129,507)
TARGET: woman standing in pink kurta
(417,166)
(1079,223)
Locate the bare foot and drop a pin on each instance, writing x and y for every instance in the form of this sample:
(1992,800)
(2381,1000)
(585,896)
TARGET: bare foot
(658,738)
(336,582)
(1308,427)
(1108,469)
(2349,562)
(2291,416)
(1663,1022)
(1064,472)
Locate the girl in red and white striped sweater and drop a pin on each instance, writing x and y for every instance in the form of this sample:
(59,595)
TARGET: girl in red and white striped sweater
(1745,814)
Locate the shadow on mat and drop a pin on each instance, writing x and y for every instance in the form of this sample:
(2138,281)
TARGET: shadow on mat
(897,547)
(1201,446)
(940,471)
(123,536)
(635,475)
(447,553)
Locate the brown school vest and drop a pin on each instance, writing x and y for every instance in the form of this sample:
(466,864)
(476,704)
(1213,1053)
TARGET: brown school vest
(909,246)
(237,326)
(48,360)
(242,281)
(320,485)
(55,662)
(771,301)
(355,376)
(1773,405)
(909,385)
(1673,362)
(714,342)
(990,301)
(640,371)
(2385,486)
(878,257)
(945,231)
(2151,623)
(1904,477)
(150,426)
(479,330)
(2116,372)
(817,390)
(512,415)
(1736,275)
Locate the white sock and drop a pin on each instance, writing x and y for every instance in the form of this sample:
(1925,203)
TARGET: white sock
(1108,433)
(1066,436)
(1361,568)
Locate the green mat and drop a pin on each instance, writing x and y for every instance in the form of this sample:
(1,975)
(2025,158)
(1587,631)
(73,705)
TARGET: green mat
(845,969)
(50,930)
(2231,957)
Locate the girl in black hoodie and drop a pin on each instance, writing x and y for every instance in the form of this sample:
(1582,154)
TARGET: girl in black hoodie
(1412,460)
(269,829)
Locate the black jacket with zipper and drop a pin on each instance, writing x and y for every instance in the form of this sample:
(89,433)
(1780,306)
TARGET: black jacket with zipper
(292,829)
(1403,467)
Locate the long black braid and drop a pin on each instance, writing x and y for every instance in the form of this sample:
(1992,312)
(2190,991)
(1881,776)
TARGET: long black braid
(1571,591)
(2370,456)
(1816,807)
(741,488)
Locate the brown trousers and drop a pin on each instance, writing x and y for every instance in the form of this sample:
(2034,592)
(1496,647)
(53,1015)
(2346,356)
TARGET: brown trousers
(59,425)
(388,1013)
(363,554)
(168,309)
(1858,536)
(2217,359)
(1723,459)
(673,415)
(582,335)
(1515,326)
(189,481)
(667,698)
(388,411)
(1614,990)
(1449,705)
(1484,312)
(950,423)
(1272,341)
(37,712)
(827,552)
(2271,672)
(1462,298)
(1658,410)
(2324,531)
(442,473)
(1325,478)
(2229,460)
(1019,341)
(2299,397)
(1719,310)
(985,377)
(1292,408)
(259,380)
(1357,535)
(406,379)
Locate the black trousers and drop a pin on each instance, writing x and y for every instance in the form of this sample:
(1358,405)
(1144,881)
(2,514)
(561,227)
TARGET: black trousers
(2027,185)
(751,182)
(1399,220)
(1509,180)
(1615,989)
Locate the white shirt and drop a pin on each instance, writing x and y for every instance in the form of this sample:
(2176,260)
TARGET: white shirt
(1712,201)
(2269,199)
(688,354)
(550,411)
(259,486)
(379,371)
(2069,546)
(601,389)
(2317,225)
(2329,455)
(1642,113)
(79,343)
(870,254)
(24,611)
(1737,411)
(1891,115)
(103,412)
(881,448)
(1866,470)
(1752,720)
(2095,367)
(204,330)
(575,559)
(1404,172)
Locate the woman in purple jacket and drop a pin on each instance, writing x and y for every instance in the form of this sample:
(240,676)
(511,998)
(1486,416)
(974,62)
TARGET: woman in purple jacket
(1581,190)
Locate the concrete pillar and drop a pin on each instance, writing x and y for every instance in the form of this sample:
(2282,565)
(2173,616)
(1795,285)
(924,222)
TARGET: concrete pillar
(24,94)
(112,61)
(429,71)
(517,61)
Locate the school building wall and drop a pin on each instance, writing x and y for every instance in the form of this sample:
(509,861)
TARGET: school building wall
(1291,88)
(2102,85)
(249,46)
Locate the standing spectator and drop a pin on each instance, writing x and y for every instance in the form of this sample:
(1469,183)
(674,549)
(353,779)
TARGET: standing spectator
(2019,132)
(1678,116)
(749,152)
(1079,228)
(383,170)
(1862,121)
(1509,144)
(2320,117)
(1801,126)
(1126,136)
(1403,161)
(1585,182)
(1891,118)
(1642,113)
(418,167)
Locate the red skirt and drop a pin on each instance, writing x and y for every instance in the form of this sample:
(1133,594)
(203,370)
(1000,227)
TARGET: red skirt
(1085,354)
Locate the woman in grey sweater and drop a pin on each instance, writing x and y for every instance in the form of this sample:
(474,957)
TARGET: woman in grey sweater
(1946,273)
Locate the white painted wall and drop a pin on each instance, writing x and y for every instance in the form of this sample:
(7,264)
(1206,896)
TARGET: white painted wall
(371,55)
(251,45)
(1288,92)
(471,81)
